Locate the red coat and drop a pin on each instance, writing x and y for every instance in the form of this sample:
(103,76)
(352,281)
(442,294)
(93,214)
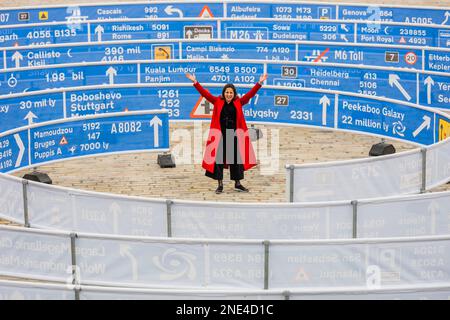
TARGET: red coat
(244,143)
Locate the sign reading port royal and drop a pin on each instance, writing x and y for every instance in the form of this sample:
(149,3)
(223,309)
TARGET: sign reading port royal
(141,131)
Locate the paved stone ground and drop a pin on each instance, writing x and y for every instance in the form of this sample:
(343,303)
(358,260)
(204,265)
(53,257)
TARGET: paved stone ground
(138,174)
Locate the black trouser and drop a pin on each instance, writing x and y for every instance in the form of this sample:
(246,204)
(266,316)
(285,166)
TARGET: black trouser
(236,166)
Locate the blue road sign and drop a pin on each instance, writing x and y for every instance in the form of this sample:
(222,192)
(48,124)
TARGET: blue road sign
(233,50)
(244,10)
(21,111)
(42,35)
(437,61)
(365,55)
(385,13)
(78,13)
(397,57)
(386,119)
(436,91)
(403,85)
(41,56)
(101,134)
(285,30)
(397,85)
(270,105)
(128,30)
(236,9)
(328,31)
(399,35)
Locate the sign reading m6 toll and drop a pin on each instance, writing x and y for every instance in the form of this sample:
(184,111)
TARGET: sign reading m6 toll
(100,134)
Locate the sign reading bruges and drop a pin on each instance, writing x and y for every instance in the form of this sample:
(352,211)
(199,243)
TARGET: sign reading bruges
(101,134)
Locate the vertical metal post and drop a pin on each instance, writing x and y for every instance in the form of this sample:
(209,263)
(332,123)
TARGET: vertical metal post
(75,279)
(26,220)
(354,204)
(169,217)
(266,264)
(291,183)
(424,170)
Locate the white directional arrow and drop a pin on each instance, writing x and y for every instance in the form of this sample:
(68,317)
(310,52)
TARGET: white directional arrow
(99,31)
(155,123)
(17,56)
(111,72)
(30,116)
(21,150)
(394,80)
(447,16)
(189,34)
(170,10)
(429,82)
(115,210)
(433,210)
(124,251)
(425,124)
(344,27)
(325,102)
(344,37)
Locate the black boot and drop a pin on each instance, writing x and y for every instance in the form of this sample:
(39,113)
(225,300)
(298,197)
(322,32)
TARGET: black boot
(219,188)
(239,187)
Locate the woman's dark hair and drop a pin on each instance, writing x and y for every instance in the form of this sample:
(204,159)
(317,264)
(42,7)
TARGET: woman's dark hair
(230,85)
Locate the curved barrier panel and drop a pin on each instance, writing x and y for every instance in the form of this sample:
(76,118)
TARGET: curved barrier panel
(235,9)
(80,137)
(221,264)
(257,221)
(94,213)
(438,159)
(19,290)
(250,29)
(426,88)
(273,104)
(427,214)
(35,254)
(52,207)
(11,197)
(372,264)
(15,290)
(357,179)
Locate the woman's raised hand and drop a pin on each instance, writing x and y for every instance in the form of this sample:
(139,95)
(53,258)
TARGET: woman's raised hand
(191,77)
(262,78)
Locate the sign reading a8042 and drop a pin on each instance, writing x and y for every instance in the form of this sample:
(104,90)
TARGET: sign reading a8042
(57,140)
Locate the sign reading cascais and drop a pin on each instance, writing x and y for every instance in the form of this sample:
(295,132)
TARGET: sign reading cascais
(232,9)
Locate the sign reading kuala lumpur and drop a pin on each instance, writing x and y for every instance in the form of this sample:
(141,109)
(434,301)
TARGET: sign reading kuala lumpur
(428,89)
(69,138)
(236,9)
(320,108)
(261,30)
(356,54)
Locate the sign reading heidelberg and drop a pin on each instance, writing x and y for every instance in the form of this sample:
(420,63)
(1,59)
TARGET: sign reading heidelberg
(78,137)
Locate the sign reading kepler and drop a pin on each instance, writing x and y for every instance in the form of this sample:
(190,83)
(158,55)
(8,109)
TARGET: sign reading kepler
(100,134)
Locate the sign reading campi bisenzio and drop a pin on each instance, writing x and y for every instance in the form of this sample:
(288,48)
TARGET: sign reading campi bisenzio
(84,136)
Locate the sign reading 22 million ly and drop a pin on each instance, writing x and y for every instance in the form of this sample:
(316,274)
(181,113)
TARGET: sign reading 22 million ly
(85,136)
